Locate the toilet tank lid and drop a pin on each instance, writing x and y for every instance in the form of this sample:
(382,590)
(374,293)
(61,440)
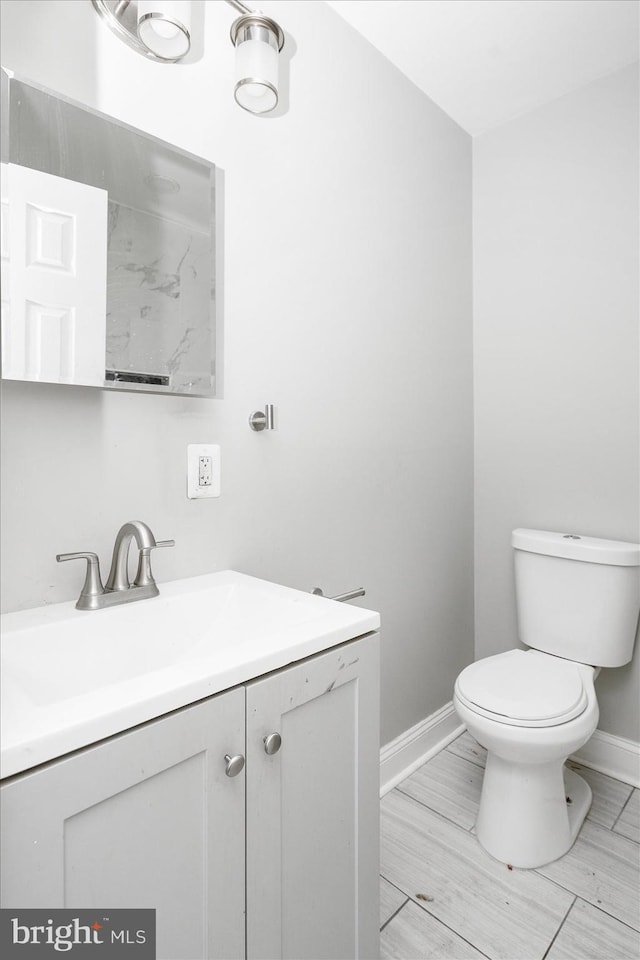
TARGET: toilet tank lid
(574,547)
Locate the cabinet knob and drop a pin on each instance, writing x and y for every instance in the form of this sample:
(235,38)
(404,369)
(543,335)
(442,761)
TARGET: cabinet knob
(272,743)
(234,764)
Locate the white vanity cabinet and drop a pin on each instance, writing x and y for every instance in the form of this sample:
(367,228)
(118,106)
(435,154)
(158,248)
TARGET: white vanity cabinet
(313,808)
(279,860)
(144,819)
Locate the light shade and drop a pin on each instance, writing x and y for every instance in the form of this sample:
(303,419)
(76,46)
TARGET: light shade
(258,41)
(163,27)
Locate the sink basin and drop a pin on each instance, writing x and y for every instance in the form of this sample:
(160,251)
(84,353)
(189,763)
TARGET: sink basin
(124,642)
(71,677)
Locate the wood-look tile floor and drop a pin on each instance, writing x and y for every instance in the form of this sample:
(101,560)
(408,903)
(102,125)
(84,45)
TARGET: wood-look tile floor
(442,897)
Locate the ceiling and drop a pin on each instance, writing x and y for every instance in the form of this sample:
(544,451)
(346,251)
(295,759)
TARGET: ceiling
(487,61)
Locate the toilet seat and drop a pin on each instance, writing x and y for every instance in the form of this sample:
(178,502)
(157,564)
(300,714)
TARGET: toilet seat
(523,688)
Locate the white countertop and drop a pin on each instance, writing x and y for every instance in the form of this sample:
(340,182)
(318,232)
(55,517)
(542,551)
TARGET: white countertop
(71,678)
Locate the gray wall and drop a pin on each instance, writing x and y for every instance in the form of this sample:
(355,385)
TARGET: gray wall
(347,303)
(555,238)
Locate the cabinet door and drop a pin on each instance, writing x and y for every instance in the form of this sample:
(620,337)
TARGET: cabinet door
(145,819)
(313,808)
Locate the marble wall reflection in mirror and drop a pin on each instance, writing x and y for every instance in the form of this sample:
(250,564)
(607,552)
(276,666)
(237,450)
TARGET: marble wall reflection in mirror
(108,251)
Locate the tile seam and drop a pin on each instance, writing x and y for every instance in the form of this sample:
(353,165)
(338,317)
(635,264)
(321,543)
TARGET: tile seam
(562,923)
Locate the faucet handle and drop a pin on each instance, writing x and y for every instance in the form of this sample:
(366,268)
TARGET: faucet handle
(92,586)
(144,577)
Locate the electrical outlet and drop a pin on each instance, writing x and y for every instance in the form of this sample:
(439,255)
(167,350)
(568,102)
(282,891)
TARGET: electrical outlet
(203,470)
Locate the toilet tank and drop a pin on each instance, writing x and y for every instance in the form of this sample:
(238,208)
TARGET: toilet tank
(577,597)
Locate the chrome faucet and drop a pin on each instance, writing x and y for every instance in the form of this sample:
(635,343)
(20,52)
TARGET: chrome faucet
(95,596)
(119,574)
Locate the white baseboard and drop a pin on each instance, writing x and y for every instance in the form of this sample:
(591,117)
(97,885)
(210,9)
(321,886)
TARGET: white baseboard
(615,756)
(415,746)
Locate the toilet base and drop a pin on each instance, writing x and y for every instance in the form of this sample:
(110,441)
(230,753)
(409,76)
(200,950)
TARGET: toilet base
(530,814)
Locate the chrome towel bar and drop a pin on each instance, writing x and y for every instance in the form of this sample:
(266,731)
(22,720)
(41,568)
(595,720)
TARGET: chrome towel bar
(342,597)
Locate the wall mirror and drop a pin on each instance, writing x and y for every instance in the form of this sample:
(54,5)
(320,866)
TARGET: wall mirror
(108,251)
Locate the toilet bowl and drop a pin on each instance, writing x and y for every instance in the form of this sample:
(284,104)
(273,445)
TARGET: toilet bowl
(531,807)
(531,709)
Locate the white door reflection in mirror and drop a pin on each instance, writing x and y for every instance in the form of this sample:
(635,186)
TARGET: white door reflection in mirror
(54,278)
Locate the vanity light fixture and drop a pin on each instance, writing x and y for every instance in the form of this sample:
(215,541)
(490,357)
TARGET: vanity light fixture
(164,27)
(160,30)
(258,41)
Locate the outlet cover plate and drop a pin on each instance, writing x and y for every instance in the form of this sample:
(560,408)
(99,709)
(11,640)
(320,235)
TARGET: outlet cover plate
(203,470)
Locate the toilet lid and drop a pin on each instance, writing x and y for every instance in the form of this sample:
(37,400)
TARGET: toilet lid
(524,686)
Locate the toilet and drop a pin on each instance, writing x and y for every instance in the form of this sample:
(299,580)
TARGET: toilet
(578,600)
